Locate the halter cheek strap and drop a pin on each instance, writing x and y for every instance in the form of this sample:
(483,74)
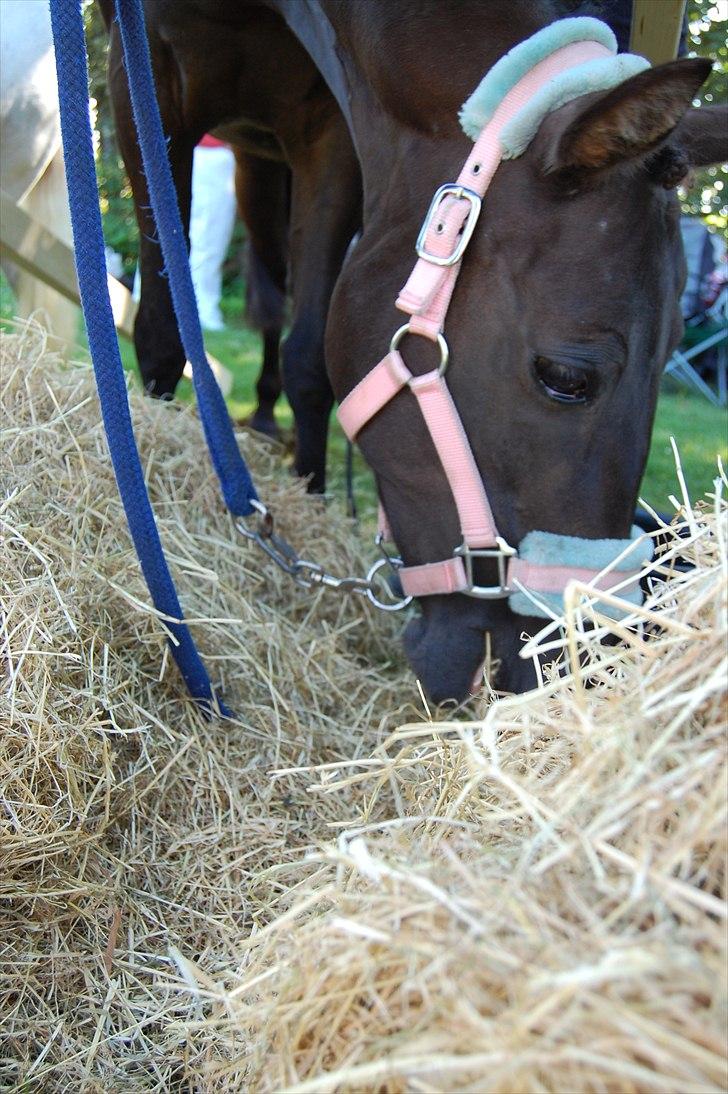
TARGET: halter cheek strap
(560,62)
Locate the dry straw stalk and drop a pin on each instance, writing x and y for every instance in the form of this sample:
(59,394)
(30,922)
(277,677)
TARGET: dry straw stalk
(331,893)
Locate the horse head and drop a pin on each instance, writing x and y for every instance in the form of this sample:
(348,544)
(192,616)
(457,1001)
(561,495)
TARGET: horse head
(564,311)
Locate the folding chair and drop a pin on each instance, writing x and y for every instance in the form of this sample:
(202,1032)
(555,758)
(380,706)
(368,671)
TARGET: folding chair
(706,327)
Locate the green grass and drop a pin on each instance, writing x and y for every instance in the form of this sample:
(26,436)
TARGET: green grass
(700,429)
(701,433)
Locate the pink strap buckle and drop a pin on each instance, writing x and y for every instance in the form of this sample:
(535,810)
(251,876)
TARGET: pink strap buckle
(450,189)
(503,554)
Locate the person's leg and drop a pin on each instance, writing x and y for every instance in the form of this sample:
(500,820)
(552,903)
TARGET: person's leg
(211,227)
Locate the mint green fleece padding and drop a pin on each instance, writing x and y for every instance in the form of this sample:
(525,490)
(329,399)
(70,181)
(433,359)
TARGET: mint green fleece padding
(549,549)
(597,75)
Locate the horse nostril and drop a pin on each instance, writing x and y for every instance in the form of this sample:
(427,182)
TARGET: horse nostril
(444,652)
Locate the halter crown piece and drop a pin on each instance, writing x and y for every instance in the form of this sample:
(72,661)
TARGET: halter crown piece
(569,58)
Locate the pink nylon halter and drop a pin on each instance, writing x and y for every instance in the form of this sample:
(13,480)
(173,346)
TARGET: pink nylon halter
(426,298)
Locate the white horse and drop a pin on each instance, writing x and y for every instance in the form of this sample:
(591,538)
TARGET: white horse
(31,163)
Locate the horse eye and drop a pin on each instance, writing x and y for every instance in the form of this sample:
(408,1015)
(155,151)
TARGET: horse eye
(563,383)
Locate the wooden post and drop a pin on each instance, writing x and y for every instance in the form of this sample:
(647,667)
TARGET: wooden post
(31,246)
(35,249)
(656,27)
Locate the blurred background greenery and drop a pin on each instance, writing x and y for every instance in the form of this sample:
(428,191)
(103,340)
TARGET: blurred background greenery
(707,37)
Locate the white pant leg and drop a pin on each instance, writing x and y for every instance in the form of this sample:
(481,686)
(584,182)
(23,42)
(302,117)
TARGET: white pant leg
(211,227)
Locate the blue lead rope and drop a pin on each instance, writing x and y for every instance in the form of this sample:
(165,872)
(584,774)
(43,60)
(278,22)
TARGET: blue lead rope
(237,487)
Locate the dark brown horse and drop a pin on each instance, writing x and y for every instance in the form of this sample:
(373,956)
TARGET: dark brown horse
(564,313)
(567,304)
(236,69)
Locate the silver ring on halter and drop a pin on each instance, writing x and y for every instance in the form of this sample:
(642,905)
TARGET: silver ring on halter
(395,604)
(442,346)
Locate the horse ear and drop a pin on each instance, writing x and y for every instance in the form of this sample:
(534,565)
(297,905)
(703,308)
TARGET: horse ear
(631,119)
(703,133)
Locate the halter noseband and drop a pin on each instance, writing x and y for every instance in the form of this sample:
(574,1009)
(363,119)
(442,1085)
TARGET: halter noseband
(560,62)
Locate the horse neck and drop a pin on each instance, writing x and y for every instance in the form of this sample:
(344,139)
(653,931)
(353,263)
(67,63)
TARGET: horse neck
(409,67)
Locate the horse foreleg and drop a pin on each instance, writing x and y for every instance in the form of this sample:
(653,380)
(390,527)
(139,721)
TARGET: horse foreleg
(160,355)
(269,386)
(263,192)
(325,214)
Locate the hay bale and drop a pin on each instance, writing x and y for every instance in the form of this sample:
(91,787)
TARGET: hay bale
(529,901)
(129,824)
(546,909)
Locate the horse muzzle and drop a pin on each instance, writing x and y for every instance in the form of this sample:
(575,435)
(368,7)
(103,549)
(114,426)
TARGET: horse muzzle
(446,646)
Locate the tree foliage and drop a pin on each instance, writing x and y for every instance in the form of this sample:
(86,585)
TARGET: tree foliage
(707,30)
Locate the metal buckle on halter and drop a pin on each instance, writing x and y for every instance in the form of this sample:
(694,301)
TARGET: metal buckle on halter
(501,554)
(459,192)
